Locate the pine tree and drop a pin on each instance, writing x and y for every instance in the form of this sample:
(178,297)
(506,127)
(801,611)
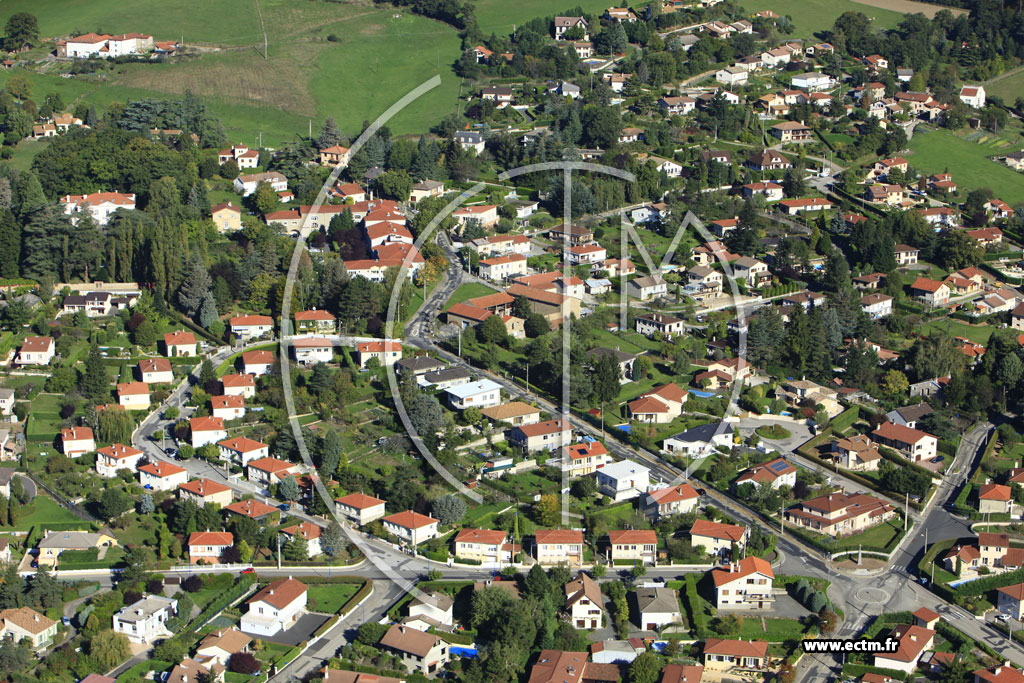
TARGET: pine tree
(208,311)
(194,288)
(10,244)
(330,134)
(94,383)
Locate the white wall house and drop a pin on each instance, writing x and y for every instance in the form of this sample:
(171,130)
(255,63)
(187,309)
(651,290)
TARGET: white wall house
(145,620)
(623,480)
(275,608)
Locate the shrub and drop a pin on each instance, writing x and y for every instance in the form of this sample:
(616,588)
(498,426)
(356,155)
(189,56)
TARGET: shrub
(192,584)
(244,663)
(817,602)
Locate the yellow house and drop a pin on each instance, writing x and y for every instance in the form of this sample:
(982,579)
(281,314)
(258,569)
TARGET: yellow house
(227,217)
(57,542)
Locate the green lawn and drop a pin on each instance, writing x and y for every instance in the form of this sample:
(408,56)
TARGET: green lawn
(1009,87)
(470,290)
(812,16)
(978,334)
(500,16)
(936,151)
(44,510)
(881,535)
(330,597)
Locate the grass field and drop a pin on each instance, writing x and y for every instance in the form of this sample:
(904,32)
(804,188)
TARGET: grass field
(978,334)
(1009,86)
(470,290)
(44,510)
(813,16)
(936,151)
(328,598)
(501,16)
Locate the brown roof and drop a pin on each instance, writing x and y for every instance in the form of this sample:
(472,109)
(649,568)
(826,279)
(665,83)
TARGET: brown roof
(736,648)
(307,530)
(211,538)
(637,536)
(738,570)
(673,493)
(994,492)
(154,365)
(251,508)
(557,666)
(410,640)
(682,673)
(257,358)
(271,465)
(359,501)
(485,536)
(27,619)
(204,487)
(179,337)
(237,381)
(229,640)
(731,532)
(1016,591)
(509,410)
(996,540)
(242,444)
(341,676)
(547,427)
(913,640)
(583,586)
(132,388)
(545,536)
(410,520)
(161,469)
(280,593)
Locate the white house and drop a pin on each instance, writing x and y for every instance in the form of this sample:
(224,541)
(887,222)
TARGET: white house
(360,508)
(312,350)
(242,450)
(670,500)
(275,608)
(133,395)
(744,584)
(246,327)
(206,430)
(732,75)
(247,184)
(180,343)
(812,80)
(74,441)
(99,205)
(310,533)
(386,352)
(411,527)
(257,363)
(480,394)
(238,385)
(37,351)
(658,607)
(117,457)
(145,620)
(227,407)
(876,305)
(208,546)
(973,96)
(623,480)
(584,603)
(155,371)
(699,440)
(162,476)
(647,287)
(265,471)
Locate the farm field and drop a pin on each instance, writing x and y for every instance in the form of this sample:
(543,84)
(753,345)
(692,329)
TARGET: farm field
(978,334)
(1009,86)
(911,7)
(812,16)
(936,151)
(500,16)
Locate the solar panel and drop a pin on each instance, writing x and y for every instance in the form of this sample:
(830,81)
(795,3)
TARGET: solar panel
(778,466)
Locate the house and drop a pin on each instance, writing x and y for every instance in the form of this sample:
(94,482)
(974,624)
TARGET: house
(1011,601)
(333,155)
(145,620)
(227,407)
(480,394)
(203,491)
(677,106)
(885,193)
(623,480)
(74,441)
(481,545)
(56,542)
(876,305)
(255,510)
(913,642)
(313,350)
(411,527)
(755,273)
(856,453)
(723,655)
(275,608)
(999,209)
(161,475)
(133,395)
(618,267)
(37,351)
(772,192)
(6,402)
(584,603)
(241,450)
(732,76)
(812,80)
(317,321)
(660,405)
(794,207)
(994,498)
(266,471)
(881,168)
(99,205)
(419,651)
(247,184)
(238,385)
(973,96)
(792,131)
(218,646)
(746,584)
(117,457)
(246,327)
(986,236)
(442,379)
(840,513)
(908,416)
(310,533)
(564,24)
(547,435)
(179,344)
(657,608)
(24,623)
(94,304)
(566,89)
(227,217)
(670,500)
(206,430)
(584,458)
(931,292)
(155,371)
(470,139)
(1004,673)
(906,255)
(558,546)
(666,325)
(625,361)
(699,440)
(639,546)
(586,254)
(768,160)
(647,287)
(431,608)
(503,267)
(360,508)
(241,155)
(418,365)
(206,547)
(683,673)
(386,352)
(915,445)
(716,538)
(426,188)
(774,473)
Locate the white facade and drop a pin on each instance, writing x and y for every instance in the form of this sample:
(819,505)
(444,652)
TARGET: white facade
(482,394)
(145,621)
(623,480)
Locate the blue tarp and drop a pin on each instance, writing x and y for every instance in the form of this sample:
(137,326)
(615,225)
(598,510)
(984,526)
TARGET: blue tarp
(463,651)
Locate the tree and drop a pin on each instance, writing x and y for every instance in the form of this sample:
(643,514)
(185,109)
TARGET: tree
(264,199)
(244,663)
(194,287)
(329,135)
(395,185)
(645,669)
(145,334)
(138,561)
(895,383)
(958,250)
(296,549)
(22,30)
(426,415)
(113,502)
(449,509)
(109,649)
(584,487)
(332,540)
(95,382)
(536,325)
(44,591)
(288,489)
(547,510)
(537,583)
(492,331)
(114,426)
(606,378)
(146,505)
(15,656)
(370,633)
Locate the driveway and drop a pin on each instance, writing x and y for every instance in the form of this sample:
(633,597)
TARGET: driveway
(785,607)
(299,632)
(798,432)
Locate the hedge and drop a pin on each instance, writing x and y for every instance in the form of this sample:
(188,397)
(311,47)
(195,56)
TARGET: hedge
(241,587)
(845,419)
(324,627)
(989,583)
(357,598)
(858,670)
(692,603)
(455,638)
